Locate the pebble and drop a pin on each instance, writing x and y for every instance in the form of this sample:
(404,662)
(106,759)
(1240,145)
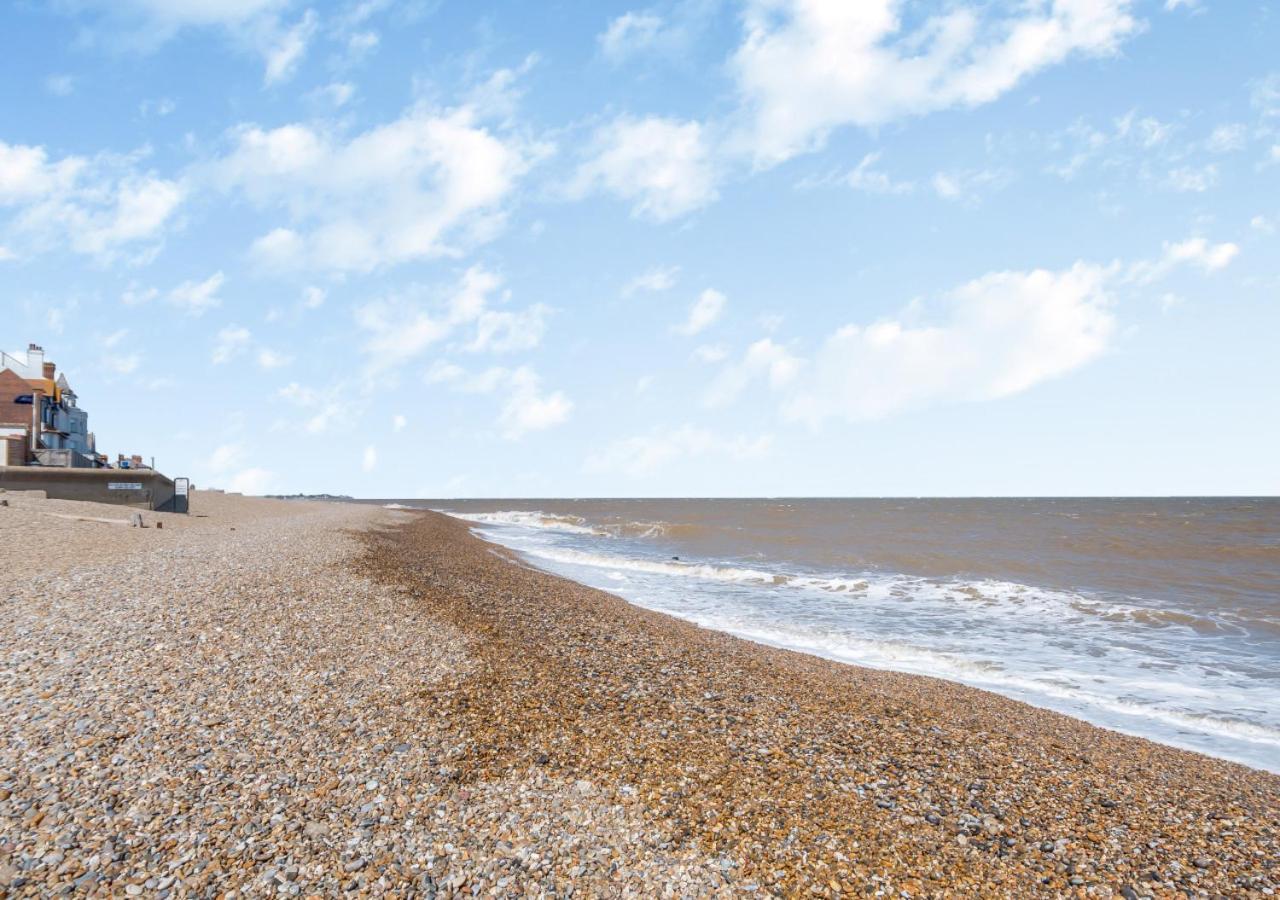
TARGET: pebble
(378,703)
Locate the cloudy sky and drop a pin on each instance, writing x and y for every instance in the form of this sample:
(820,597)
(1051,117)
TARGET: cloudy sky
(407,248)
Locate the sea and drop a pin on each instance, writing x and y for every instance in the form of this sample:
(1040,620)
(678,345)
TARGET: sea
(1153,617)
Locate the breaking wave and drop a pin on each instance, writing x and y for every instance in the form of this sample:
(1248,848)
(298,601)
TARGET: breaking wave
(531,519)
(1197,676)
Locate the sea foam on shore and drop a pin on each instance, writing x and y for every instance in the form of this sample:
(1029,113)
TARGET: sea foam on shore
(1159,664)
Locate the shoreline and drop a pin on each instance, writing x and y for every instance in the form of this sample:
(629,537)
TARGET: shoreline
(311,699)
(788,750)
(1212,733)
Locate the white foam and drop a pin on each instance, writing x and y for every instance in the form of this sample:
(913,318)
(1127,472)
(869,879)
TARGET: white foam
(1058,684)
(655,567)
(533,519)
(1124,663)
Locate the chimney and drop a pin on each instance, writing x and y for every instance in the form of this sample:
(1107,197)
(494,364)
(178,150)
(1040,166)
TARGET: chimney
(35,357)
(50,370)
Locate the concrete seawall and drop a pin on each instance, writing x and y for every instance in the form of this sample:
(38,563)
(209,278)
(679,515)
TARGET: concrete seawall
(138,488)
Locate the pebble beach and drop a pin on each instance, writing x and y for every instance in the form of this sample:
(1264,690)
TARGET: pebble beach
(315,699)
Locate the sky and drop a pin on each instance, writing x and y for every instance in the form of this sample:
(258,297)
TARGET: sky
(403,248)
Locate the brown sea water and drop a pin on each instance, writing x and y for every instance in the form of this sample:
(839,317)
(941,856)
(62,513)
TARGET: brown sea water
(1159,617)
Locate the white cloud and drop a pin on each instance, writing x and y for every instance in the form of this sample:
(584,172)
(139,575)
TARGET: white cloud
(1003,333)
(361,44)
(336,94)
(122,364)
(136,295)
(965,185)
(992,337)
(195,13)
(402,326)
(325,407)
(764,359)
(807,67)
(1265,95)
(398,330)
(280,248)
(529,408)
(640,455)
(703,313)
(230,343)
(313,297)
(1227,138)
(369,461)
(630,33)
(662,278)
(97,206)
(418,187)
(231,460)
(1263,224)
(502,331)
(398,423)
(252,481)
(254,26)
(1195,251)
(1198,251)
(55,317)
(270,359)
(1192,179)
(288,48)
(225,457)
(863,177)
(60,85)
(6,254)
(114,337)
(663,167)
(162,107)
(1171,5)
(196,297)
(526,406)
(1131,140)
(995,336)
(711,353)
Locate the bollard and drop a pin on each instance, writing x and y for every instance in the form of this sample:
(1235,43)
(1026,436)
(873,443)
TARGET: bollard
(135,520)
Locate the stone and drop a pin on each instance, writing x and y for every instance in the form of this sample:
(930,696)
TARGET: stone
(218,724)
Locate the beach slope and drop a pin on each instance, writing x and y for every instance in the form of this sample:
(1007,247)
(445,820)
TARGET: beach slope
(311,698)
(804,775)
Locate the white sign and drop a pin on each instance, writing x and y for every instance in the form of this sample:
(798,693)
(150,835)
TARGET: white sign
(123,486)
(180,486)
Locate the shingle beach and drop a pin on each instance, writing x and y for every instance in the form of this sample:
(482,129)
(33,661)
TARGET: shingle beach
(305,699)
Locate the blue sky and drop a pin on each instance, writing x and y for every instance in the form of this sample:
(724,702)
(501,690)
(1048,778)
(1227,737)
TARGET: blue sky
(759,247)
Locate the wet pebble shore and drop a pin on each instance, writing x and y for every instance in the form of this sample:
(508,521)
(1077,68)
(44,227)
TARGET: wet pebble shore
(804,777)
(300,699)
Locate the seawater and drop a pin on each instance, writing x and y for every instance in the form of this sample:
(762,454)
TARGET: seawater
(1159,618)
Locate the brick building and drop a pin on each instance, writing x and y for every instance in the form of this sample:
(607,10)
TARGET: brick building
(39,420)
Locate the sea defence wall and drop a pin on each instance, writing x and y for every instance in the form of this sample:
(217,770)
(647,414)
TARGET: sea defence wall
(139,488)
